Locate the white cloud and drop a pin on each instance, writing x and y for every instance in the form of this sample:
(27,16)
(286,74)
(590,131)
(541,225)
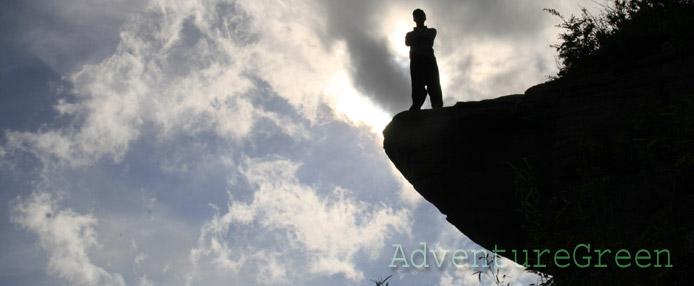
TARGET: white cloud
(140,257)
(449,278)
(272,271)
(186,67)
(177,68)
(66,235)
(144,281)
(324,233)
(196,69)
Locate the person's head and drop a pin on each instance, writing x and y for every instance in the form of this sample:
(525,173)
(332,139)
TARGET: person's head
(418,16)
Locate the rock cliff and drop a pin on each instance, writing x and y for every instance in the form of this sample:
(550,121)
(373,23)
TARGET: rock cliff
(603,158)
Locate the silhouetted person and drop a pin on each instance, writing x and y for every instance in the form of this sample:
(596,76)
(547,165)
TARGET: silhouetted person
(423,68)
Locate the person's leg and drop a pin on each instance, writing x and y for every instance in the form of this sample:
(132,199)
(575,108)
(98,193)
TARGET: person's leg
(419,93)
(434,86)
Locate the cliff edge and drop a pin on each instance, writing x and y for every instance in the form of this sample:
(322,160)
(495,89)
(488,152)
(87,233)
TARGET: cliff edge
(605,159)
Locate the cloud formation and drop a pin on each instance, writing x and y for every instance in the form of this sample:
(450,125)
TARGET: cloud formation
(256,108)
(145,82)
(66,236)
(188,67)
(323,233)
(372,66)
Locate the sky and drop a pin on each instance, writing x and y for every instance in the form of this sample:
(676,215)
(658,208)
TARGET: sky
(220,142)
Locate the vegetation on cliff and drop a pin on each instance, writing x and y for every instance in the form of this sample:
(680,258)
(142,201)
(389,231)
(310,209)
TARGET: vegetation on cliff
(602,155)
(640,174)
(624,31)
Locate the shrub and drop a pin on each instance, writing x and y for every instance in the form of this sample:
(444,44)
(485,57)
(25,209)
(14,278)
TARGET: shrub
(624,28)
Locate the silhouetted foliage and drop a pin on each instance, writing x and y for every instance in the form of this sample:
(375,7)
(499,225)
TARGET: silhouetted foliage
(624,30)
(659,143)
(382,282)
(491,270)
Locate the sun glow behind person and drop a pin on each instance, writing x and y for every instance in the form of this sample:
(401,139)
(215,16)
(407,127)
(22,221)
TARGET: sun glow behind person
(396,27)
(356,107)
(348,103)
(396,31)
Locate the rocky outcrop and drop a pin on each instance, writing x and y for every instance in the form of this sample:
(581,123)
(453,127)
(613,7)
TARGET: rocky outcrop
(604,158)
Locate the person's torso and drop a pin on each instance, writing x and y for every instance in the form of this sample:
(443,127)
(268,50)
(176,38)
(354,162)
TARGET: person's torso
(422,42)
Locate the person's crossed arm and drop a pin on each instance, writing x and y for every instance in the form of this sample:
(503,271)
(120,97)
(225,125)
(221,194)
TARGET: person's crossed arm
(420,37)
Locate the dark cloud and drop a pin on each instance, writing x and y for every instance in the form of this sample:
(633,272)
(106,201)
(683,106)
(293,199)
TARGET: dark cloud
(461,24)
(501,19)
(374,69)
(377,74)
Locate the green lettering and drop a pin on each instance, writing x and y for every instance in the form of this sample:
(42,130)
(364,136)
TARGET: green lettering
(395,256)
(600,253)
(557,257)
(515,257)
(638,257)
(456,257)
(657,258)
(539,254)
(424,256)
(438,263)
(475,251)
(617,257)
(496,261)
(587,258)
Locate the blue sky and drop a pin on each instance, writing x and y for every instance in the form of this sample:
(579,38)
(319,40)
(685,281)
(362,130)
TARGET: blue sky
(221,142)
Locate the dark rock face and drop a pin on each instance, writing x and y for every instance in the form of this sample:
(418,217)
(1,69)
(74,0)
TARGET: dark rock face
(458,159)
(601,158)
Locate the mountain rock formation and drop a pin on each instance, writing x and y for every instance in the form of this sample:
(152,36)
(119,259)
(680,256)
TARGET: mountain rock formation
(604,158)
